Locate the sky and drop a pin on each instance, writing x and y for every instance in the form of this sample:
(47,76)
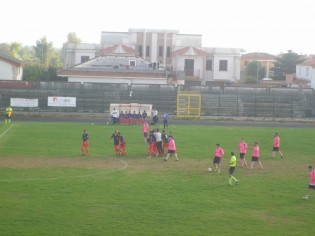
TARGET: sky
(271,26)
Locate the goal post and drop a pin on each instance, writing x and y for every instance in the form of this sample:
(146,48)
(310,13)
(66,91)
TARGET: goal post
(188,104)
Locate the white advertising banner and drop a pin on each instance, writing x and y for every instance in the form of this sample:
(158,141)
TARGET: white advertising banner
(62,101)
(23,102)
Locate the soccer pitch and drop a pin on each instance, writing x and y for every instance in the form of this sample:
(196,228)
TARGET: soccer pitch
(48,188)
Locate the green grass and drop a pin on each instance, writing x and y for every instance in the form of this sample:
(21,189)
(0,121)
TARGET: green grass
(47,188)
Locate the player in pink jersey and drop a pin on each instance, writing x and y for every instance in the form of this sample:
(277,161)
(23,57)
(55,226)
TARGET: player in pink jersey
(218,156)
(276,145)
(145,130)
(255,156)
(243,148)
(171,149)
(311,184)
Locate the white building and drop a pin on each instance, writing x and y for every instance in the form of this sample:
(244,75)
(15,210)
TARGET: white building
(10,68)
(306,72)
(170,58)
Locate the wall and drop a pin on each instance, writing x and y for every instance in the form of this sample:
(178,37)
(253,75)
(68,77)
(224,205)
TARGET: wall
(5,71)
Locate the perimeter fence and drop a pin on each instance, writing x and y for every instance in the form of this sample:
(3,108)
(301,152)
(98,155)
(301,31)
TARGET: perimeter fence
(216,101)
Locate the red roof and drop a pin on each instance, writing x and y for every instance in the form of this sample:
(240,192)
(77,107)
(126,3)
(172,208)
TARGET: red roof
(308,63)
(185,49)
(200,52)
(180,51)
(111,49)
(258,55)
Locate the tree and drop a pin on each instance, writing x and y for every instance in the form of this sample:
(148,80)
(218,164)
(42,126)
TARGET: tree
(28,54)
(46,63)
(15,49)
(286,64)
(5,48)
(45,52)
(73,38)
(255,71)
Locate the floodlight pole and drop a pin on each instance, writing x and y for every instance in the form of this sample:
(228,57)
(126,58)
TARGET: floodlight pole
(257,68)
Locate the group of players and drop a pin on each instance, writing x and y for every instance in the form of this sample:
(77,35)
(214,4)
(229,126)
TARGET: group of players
(242,147)
(129,118)
(219,152)
(119,144)
(158,142)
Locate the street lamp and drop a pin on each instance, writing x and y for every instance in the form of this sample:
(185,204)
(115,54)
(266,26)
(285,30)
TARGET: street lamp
(257,67)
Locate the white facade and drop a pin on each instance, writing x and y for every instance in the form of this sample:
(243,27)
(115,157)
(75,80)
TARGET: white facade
(306,71)
(199,57)
(10,68)
(73,54)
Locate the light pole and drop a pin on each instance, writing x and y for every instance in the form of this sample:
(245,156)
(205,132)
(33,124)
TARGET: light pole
(257,68)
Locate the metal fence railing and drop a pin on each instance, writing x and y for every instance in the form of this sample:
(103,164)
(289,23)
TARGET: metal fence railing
(215,101)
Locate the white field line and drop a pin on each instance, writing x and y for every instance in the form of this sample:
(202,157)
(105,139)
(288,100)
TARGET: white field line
(7,130)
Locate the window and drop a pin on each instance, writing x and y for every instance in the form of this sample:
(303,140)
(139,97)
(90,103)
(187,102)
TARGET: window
(168,51)
(84,58)
(209,65)
(307,71)
(132,63)
(140,50)
(160,51)
(147,51)
(223,65)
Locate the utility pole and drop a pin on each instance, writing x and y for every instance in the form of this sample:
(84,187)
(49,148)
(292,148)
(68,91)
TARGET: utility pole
(257,68)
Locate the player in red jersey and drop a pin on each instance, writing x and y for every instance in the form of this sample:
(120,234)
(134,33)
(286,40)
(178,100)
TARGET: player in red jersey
(85,143)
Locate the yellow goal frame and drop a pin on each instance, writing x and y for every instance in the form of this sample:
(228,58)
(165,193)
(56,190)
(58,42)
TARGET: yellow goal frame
(188,104)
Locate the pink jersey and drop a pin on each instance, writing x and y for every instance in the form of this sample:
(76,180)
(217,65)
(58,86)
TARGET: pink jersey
(276,141)
(219,152)
(145,127)
(255,151)
(312,177)
(242,147)
(171,144)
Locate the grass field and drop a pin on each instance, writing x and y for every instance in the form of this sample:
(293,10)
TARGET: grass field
(48,188)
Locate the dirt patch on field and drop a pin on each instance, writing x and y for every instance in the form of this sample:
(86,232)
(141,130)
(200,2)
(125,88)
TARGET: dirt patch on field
(133,165)
(109,163)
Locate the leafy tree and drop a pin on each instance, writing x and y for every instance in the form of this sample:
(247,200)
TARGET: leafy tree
(250,80)
(286,64)
(28,54)
(73,38)
(252,69)
(5,48)
(15,49)
(46,64)
(32,72)
(45,52)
